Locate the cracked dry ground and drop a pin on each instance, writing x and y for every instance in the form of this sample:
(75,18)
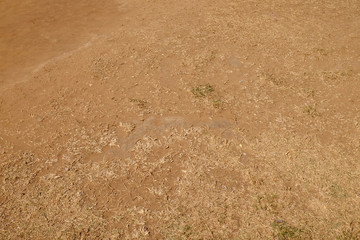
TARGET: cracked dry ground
(234,119)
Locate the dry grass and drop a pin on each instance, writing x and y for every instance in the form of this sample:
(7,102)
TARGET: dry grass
(238,123)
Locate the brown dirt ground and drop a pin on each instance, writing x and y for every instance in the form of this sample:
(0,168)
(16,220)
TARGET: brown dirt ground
(234,119)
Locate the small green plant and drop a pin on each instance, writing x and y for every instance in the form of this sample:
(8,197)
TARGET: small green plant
(217,103)
(286,231)
(202,90)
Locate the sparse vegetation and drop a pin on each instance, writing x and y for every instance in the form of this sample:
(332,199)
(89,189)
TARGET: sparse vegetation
(278,81)
(140,103)
(267,203)
(217,103)
(309,92)
(230,120)
(202,90)
(352,232)
(311,110)
(286,231)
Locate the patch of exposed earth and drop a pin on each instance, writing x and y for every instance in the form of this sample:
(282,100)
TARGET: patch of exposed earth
(239,121)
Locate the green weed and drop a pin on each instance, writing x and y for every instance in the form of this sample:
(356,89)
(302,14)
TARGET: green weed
(202,90)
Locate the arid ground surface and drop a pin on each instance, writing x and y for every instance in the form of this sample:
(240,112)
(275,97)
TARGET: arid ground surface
(164,119)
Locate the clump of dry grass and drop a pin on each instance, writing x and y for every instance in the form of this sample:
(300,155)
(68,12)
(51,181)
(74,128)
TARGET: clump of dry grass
(311,110)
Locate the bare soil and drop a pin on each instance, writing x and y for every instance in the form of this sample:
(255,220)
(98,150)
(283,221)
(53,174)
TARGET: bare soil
(234,119)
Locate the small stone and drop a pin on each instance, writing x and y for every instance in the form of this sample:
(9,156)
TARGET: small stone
(279,221)
(67,169)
